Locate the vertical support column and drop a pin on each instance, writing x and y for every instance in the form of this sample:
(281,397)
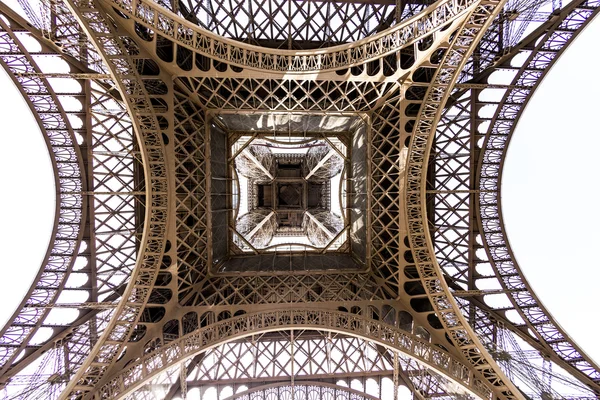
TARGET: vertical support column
(369,194)
(207,153)
(183,380)
(396,375)
(290,45)
(66,360)
(399,10)
(53,25)
(292,372)
(90,235)
(473,157)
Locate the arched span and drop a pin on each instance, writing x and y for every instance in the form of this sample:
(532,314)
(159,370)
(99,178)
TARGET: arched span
(138,95)
(162,21)
(546,44)
(432,277)
(69,177)
(308,389)
(136,374)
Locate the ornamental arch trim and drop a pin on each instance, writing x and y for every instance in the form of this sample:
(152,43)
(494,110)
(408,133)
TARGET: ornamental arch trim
(183,33)
(142,370)
(432,277)
(70,210)
(547,45)
(335,391)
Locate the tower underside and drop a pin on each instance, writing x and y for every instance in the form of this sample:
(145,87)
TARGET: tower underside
(282,199)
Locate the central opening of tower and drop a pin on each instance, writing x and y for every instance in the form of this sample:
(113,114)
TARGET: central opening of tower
(291,189)
(289,192)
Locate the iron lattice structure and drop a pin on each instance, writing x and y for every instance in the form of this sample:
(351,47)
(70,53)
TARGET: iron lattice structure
(141,294)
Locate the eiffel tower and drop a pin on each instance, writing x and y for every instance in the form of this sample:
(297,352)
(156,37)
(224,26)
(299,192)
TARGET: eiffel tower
(283,199)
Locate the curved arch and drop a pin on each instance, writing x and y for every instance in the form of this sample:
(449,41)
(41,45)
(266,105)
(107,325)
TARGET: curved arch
(335,391)
(120,323)
(70,214)
(97,369)
(143,369)
(324,356)
(552,39)
(160,20)
(432,277)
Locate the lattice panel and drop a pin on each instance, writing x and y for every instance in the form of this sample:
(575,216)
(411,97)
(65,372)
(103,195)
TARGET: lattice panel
(286,24)
(453,154)
(270,356)
(117,179)
(387,169)
(191,199)
(271,289)
(287,95)
(549,41)
(163,357)
(68,167)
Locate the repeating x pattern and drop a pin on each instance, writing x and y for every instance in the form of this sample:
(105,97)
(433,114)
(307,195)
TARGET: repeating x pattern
(137,197)
(69,174)
(530,312)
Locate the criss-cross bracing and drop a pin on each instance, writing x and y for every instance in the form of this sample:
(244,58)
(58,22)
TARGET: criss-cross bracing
(283,199)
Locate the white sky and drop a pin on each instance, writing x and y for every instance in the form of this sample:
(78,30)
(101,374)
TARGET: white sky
(549,193)
(28,201)
(549,190)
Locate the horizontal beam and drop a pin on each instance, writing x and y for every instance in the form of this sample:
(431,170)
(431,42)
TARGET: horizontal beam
(73,75)
(481,86)
(86,305)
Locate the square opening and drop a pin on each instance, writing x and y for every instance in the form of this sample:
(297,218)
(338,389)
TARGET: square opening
(292,200)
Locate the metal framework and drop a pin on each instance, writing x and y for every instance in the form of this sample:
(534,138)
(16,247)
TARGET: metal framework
(146,246)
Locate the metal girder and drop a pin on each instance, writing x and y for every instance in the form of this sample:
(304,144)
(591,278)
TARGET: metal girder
(246,58)
(431,274)
(71,208)
(558,346)
(461,127)
(156,190)
(200,339)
